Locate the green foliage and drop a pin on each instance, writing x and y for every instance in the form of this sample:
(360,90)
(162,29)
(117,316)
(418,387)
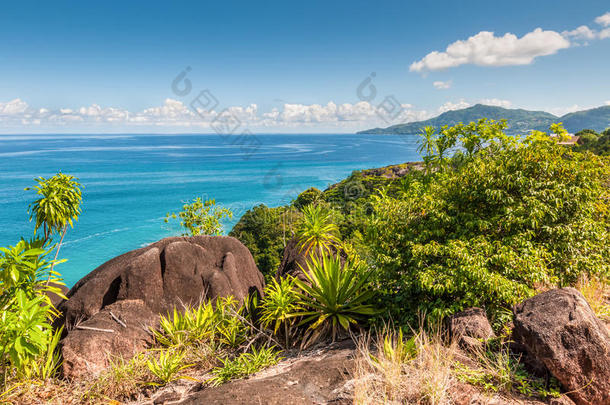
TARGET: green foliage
(25,309)
(279,303)
(335,296)
(47,364)
(517,120)
(497,370)
(265,231)
(308,197)
(316,231)
(244,365)
(396,349)
(594,142)
(220,322)
(58,205)
(167,367)
(201,217)
(511,216)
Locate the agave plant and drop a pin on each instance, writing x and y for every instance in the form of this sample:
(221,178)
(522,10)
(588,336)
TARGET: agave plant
(316,230)
(335,296)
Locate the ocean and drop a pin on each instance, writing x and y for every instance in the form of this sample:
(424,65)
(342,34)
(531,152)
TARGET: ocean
(131,181)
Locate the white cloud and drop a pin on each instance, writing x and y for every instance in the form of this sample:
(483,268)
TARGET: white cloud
(607,102)
(176,116)
(439,85)
(496,102)
(582,32)
(485,49)
(450,106)
(16,106)
(603,20)
(559,111)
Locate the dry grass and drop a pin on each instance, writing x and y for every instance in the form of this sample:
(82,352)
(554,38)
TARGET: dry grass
(597,294)
(125,381)
(394,370)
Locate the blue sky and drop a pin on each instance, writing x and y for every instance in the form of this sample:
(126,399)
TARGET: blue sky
(289,67)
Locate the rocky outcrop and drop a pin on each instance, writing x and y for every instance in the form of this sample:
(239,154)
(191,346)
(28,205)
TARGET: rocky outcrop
(470,327)
(293,260)
(87,351)
(315,379)
(139,285)
(559,329)
(464,394)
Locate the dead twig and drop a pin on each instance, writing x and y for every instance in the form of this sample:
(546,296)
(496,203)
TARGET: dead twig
(94,329)
(118,320)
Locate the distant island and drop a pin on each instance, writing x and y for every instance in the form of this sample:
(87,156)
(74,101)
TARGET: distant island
(519,120)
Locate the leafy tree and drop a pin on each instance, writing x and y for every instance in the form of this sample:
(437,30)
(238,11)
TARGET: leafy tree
(201,217)
(310,196)
(512,216)
(594,142)
(58,206)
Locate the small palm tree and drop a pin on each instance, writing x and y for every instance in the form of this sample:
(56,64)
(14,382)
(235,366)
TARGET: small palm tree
(316,230)
(58,206)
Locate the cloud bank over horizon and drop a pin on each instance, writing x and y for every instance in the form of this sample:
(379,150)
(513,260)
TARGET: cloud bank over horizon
(175,116)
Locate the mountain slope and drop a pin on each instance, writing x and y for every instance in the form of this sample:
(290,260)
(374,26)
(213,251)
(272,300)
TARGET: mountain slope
(597,119)
(519,120)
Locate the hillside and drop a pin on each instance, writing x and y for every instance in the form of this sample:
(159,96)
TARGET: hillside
(519,120)
(597,119)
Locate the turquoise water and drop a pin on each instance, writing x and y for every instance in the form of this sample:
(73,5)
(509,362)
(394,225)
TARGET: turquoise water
(132,181)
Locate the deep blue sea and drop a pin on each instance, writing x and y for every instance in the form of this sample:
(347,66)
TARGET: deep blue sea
(131,181)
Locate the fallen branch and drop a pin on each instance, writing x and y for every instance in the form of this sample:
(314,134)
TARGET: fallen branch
(260,331)
(94,329)
(118,320)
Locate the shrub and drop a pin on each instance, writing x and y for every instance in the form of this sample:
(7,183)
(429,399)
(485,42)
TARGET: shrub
(512,216)
(201,217)
(335,296)
(167,366)
(219,322)
(265,232)
(278,305)
(308,197)
(496,369)
(25,309)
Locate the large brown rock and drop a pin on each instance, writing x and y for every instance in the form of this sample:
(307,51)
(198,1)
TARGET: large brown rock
(139,285)
(559,329)
(87,351)
(293,260)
